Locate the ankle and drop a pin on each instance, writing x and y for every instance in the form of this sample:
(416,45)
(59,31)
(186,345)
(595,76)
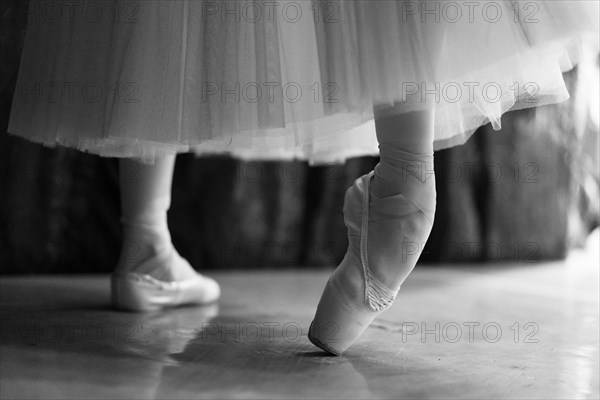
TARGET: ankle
(142,242)
(402,171)
(417,189)
(400,220)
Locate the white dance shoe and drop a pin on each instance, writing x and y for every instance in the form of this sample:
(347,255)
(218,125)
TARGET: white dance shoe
(355,294)
(141,292)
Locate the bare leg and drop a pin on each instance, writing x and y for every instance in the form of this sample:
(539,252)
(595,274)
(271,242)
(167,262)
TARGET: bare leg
(405,168)
(145,200)
(151,275)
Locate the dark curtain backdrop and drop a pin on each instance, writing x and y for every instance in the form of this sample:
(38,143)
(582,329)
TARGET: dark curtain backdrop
(525,194)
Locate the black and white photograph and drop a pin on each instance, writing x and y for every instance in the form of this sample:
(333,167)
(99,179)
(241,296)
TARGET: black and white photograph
(299,199)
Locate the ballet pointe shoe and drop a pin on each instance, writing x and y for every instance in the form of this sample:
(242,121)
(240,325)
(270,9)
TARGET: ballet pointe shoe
(140,292)
(354,296)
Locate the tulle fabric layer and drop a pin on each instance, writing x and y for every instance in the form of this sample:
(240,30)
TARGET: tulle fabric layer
(285,79)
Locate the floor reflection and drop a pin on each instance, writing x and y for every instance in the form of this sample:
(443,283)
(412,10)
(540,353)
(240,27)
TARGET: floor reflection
(60,339)
(257,355)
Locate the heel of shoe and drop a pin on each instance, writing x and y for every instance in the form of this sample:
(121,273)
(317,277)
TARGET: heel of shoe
(140,292)
(128,294)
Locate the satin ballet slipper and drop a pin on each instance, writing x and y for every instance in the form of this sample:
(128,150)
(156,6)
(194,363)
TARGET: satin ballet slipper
(135,291)
(354,296)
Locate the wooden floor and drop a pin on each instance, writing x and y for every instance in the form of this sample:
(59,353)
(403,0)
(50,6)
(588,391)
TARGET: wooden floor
(494,331)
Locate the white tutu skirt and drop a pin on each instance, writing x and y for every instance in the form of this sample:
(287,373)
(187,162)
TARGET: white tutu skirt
(284,79)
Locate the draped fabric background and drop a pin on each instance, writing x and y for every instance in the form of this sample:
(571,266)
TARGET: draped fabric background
(526,193)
